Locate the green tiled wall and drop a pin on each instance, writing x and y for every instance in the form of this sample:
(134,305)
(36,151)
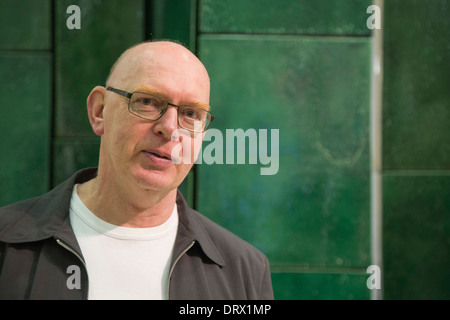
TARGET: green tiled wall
(323,286)
(25,95)
(25,24)
(175,20)
(416,110)
(320,195)
(324,17)
(24,124)
(72,154)
(416,235)
(416,149)
(286,66)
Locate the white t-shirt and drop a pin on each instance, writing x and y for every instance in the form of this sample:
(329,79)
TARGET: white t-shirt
(124,263)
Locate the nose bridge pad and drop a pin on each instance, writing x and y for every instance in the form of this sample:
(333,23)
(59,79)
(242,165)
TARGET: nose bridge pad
(163,112)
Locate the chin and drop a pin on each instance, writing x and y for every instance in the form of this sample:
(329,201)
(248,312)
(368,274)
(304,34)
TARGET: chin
(155,179)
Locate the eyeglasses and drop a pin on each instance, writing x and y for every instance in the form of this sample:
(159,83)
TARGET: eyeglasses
(150,107)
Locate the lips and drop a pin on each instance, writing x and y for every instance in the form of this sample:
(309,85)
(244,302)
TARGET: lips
(160,154)
(158,157)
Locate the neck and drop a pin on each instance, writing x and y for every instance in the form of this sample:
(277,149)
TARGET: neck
(135,209)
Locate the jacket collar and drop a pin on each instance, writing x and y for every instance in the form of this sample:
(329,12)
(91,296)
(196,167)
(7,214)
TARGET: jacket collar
(47,216)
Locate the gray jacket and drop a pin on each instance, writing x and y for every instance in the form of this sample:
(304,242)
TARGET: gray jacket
(37,246)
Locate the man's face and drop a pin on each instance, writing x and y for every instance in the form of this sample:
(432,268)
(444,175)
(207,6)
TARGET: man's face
(139,151)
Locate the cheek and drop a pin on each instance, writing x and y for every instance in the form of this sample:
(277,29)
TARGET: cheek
(122,136)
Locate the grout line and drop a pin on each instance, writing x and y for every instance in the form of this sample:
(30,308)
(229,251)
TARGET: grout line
(315,269)
(262,34)
(416,172)
(52,119)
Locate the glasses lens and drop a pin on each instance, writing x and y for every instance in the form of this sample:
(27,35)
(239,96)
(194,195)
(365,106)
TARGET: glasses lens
(147,106)
(193,118)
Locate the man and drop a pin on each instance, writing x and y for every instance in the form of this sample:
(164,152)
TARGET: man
(123,231)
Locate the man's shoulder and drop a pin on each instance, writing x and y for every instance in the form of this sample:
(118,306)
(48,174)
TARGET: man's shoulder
(230,245)
(14,211)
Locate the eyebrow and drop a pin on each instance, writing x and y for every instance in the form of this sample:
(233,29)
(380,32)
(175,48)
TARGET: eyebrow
(145,89)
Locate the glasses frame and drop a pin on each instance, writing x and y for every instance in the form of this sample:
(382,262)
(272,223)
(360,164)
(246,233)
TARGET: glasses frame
(128,95)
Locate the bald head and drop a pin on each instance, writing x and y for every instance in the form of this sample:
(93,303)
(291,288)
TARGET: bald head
(147,61)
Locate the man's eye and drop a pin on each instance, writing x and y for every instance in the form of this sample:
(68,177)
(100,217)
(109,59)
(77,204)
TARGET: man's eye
(147,101)
(191,113)
(146,104)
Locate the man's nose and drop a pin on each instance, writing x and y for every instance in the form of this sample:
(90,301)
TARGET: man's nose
(168,122)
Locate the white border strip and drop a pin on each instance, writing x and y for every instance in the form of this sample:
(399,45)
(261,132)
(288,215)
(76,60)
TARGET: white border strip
(376,151)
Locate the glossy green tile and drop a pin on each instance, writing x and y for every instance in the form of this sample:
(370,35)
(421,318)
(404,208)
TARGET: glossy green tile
(416,113)
(416,236)
(187,188)
(295,218)
(315,209)
(174,20)
(71,155)
(320,286)
(341,17)
(25,24)
(84,57)
(25,93)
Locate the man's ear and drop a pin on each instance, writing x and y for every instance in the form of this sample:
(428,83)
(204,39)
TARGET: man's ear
(95,105)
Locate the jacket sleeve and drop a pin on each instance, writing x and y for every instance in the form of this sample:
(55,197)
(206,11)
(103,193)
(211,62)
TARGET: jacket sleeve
(1,255)
(266,292)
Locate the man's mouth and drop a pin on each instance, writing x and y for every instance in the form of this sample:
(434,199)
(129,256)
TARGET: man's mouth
(159,155)
(159,158)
